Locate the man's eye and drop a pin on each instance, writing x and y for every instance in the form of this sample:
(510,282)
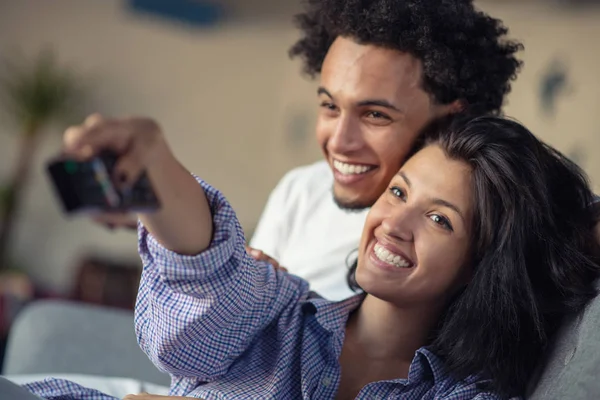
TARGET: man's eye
(328,106)
(377,115)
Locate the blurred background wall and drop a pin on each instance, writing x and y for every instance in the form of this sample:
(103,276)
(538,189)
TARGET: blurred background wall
(238,112)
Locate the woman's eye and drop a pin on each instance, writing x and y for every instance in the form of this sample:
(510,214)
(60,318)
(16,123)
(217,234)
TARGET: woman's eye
(397,192)
(442,221)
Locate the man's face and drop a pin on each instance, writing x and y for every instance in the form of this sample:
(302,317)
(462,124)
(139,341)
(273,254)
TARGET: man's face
(372,107)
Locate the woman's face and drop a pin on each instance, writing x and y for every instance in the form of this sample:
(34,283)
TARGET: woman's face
(416,240)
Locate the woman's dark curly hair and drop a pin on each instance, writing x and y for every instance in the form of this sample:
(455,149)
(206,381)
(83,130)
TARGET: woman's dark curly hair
(534,252)
(464,52)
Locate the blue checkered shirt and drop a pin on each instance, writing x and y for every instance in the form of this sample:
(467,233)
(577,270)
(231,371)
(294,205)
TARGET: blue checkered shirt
(227,327)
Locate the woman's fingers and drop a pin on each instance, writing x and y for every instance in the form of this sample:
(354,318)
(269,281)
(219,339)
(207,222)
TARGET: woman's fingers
(94,136)
(133,140)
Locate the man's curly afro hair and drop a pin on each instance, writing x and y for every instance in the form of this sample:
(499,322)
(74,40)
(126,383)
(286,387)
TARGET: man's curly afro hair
(464,52)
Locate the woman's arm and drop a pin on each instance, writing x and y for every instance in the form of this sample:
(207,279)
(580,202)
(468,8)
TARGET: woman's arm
(183,224)
(196,315)
(202,299)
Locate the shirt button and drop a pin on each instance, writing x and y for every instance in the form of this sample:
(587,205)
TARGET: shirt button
(326,381)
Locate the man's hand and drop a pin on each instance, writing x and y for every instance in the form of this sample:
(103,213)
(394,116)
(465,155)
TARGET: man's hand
(260,256)
(146,396)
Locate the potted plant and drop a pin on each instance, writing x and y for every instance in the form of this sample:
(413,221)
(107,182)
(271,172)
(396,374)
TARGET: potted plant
(33,93)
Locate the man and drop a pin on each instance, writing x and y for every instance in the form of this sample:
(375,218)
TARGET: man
(387,68)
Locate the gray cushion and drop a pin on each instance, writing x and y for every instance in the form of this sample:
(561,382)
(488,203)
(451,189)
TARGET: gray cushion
(10,391)
(60,337)
(571,369)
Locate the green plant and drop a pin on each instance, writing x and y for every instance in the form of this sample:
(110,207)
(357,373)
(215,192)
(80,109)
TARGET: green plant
(34,93)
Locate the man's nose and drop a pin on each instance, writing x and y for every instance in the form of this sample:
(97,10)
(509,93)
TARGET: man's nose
(346,136)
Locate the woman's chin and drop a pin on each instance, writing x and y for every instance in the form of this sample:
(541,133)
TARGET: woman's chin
(371,285)
(381,284)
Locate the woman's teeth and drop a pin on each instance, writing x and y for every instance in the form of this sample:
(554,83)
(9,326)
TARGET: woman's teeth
(390,258)
(350,169)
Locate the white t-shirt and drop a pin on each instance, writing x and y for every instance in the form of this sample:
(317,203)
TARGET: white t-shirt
(307,233)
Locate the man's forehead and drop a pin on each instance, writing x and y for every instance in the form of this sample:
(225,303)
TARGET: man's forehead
(367,71)
(371,60)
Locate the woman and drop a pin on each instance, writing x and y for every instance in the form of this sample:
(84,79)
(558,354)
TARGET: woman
(468,262)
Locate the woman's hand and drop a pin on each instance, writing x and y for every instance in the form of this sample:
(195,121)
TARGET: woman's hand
(183,223)
(139,142)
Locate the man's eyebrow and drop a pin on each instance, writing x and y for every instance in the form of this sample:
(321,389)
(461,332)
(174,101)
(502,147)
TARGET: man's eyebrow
(370,102)
(379,103)
(322,90)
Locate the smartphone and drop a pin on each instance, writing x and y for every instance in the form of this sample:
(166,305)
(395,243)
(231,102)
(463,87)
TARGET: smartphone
(88,186)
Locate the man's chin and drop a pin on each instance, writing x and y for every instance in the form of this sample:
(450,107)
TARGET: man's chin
(352,205)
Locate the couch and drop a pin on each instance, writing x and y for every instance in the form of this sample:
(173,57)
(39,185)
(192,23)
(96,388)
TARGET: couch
(61,338)
(52,337)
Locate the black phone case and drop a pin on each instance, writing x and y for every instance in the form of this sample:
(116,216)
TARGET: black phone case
(88,186)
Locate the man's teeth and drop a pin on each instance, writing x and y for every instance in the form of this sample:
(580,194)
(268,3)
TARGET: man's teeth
(390,258)
(349,169)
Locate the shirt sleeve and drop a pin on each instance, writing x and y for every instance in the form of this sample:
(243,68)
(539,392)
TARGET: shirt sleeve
(195,315)
(273,226)
(61,389)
